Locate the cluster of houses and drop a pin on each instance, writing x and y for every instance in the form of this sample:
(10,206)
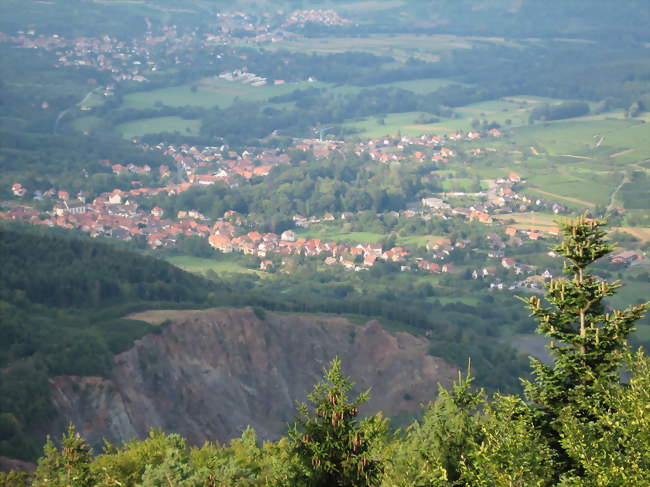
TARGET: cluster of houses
(390,149)
(327,17)
(118,215)
(114,215)
(134,60)
(208,165)
(227,237)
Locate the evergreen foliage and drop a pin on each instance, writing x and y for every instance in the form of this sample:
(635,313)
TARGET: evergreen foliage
(333,446)
(589,343)
(580,425)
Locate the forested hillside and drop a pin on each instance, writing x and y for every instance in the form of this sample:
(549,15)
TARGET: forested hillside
(61,303)
(64,316)
(579,423)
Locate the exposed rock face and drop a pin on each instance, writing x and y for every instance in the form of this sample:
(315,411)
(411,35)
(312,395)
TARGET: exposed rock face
(213,372)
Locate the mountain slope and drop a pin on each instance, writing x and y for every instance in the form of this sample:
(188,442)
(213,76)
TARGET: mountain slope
(210,373)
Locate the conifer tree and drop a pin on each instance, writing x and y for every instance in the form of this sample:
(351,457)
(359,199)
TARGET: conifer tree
(589,343)
(335,448)
(433,451)
(69,466)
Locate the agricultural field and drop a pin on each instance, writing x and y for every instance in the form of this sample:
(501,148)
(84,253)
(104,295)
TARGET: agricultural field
(417,240)
(334,233)
(209,92)
(545,222)
(508,112)
(138,128)
(581,138)
(404,123)
(400,46)
(225,264)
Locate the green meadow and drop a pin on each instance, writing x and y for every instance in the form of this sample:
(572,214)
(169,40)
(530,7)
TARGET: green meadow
(225,264)
(208,92)
(404,123)
(399,46)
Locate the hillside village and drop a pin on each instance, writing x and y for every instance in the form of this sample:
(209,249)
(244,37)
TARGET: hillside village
(137,60)
(118,214)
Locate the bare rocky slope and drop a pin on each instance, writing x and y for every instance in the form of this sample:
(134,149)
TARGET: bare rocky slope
(210,373)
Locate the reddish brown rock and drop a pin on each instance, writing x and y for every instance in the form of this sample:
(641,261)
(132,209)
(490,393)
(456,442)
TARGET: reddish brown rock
(210,373)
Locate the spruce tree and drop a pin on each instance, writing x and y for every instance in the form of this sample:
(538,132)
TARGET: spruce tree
(69,466)
(337,449)
(589,342)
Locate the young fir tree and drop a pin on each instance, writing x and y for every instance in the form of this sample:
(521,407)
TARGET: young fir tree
(69,466)
(433,451)
(335,448)
(589,343)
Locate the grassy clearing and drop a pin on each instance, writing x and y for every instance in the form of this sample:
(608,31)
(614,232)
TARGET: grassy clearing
(401,46)
(404,123)
(138,128)
(199,265)
(209,92)
(567,188)
(417,240)
(499,111)
(546,222)
(580,137)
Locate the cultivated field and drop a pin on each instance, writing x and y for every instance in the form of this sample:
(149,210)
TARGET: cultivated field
(209,92)
(400,46)
(225,264)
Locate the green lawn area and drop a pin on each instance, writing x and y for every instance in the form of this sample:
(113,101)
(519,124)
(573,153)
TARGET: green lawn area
(571,187)
(495,110)
(405,123)
(498,111)
(209,92)
(198,265)
(580,136)
(457,184)
(137,128)
(398,46)
(416,240)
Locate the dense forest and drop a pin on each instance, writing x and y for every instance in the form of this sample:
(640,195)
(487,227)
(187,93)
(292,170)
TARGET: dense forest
(577,424)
